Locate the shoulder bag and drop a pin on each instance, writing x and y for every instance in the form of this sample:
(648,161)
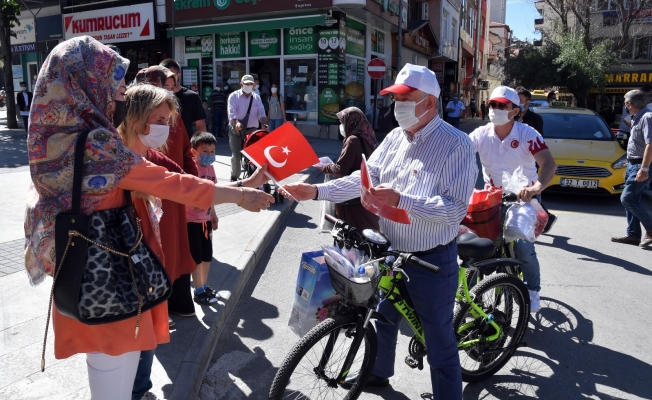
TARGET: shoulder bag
(245,120)
(105,271)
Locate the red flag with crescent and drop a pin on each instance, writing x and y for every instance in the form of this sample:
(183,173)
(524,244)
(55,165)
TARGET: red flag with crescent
(285,151)
(371,203)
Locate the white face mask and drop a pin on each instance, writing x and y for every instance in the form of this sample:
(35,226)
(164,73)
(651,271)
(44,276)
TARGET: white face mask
(342,131)
(274,90)
(158,135)
(404,111)
(247,89)
(499,117)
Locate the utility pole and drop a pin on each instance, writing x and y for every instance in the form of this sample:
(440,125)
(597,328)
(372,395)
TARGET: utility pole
(174,38)
(399,35)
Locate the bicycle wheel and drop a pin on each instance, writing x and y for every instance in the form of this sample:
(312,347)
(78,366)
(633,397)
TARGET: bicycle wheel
(300,376)
(506,299)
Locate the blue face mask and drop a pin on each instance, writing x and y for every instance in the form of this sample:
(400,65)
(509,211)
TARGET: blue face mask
(205,160)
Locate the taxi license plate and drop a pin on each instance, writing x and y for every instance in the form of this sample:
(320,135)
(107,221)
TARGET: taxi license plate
(579,183)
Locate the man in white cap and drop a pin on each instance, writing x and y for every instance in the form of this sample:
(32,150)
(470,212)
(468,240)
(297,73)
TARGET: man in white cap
(428,168)
(503,146)
(246,111)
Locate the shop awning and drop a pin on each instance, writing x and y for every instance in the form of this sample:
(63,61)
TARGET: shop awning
(241,26)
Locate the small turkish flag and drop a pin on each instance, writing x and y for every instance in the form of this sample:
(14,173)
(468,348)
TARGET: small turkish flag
(371,203)
(285,151)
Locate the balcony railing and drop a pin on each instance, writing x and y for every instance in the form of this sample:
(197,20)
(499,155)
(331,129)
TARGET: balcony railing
(538,21)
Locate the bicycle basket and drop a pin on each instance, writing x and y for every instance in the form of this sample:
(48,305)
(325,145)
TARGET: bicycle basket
(356,293)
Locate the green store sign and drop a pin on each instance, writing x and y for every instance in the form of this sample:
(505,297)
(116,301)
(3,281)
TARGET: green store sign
(219,4)
(200,44)
(300,40)
(265,43)
(388,5)
(355,38)
(230,45)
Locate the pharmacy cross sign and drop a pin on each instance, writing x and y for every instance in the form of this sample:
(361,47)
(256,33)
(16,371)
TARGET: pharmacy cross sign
(376,68)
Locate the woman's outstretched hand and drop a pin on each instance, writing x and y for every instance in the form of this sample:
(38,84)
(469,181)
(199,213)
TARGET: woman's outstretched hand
(258,178)
(255,200)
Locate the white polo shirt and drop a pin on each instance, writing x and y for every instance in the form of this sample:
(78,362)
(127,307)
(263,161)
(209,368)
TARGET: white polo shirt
(518,148)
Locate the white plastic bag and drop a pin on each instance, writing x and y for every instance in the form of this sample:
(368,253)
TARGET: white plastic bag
(520,222)
(515,182)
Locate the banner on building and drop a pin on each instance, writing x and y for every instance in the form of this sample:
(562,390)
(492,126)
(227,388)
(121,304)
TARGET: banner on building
(113,25)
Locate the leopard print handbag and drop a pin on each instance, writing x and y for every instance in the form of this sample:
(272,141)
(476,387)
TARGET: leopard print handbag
(105,270)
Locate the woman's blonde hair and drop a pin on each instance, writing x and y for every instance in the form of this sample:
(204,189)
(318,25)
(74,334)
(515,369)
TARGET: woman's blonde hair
(141,100)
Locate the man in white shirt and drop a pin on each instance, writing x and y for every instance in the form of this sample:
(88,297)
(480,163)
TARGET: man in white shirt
(455,109)
(504,145)
(24,102)
(427,168)
(245,111)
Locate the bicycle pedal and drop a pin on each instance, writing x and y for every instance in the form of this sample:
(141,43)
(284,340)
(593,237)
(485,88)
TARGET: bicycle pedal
(412,363)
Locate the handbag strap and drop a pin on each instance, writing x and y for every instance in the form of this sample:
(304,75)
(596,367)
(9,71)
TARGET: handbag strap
(78,175)
(246,118)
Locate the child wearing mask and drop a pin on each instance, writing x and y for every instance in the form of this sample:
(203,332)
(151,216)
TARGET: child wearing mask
(202,223)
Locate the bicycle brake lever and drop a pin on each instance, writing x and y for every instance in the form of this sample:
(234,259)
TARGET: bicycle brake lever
(401,270)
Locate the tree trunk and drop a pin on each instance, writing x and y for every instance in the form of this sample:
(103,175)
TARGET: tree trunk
(9,75)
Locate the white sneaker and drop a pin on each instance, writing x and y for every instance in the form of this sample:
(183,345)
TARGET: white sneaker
(535,301)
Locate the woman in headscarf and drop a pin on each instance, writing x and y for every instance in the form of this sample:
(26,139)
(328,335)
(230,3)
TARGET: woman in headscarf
(174,233)
(74,93)
(359,139)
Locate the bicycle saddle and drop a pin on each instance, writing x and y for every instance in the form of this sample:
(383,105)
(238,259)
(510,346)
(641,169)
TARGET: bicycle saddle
(469,245)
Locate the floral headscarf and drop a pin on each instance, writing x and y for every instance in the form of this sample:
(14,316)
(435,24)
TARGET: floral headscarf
(356,123)
(77,82)
(155,75)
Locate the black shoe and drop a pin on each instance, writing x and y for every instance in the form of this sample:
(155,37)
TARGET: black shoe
(373,381)
(204,299)
(212,292)
(551,221)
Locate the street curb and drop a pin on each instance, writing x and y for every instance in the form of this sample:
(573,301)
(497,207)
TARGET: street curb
(200,351)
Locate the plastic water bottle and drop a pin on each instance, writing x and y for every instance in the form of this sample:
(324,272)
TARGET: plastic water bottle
(361,275)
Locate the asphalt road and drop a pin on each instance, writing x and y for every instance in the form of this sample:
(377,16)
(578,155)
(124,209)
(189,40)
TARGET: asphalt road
(588,341)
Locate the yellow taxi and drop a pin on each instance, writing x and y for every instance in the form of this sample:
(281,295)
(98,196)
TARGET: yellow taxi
(588,156)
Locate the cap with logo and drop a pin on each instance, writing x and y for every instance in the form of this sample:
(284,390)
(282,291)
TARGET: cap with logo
(505,95)
(247,79)
(414,77)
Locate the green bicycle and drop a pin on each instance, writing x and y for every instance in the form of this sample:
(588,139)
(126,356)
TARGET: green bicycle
(489,324)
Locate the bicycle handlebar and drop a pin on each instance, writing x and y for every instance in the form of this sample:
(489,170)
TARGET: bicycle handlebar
(511,197)
(409,258)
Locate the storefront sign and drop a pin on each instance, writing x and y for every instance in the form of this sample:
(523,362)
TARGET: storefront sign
(421,40)
(355,37)
(378,42)
(187,10)
(331,47)
(438,68)
(610,18)
(49,28)
(190,78)
(230,45)
(300,40)
(25,33)
(627,78)
(265,43)
(200,44)
(388,5)
(23,48)
(113,25)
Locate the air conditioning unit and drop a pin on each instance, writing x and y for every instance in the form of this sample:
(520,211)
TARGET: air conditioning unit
(484,85)
(423,11)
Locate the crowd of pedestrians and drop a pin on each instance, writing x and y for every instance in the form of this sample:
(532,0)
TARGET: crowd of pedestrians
(150,138)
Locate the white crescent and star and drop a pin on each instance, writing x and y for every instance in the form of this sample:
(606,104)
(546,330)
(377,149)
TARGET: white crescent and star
(271,160)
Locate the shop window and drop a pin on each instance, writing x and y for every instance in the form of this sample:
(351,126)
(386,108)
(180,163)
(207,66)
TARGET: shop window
(445,20)
(354,89)
(642,48)
(300,90)
(626,52)
(230,73)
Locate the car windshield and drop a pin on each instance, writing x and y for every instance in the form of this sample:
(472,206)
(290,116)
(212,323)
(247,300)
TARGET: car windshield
(575,126)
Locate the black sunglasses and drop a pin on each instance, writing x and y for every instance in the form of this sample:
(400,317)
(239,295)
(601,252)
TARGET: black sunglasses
(495,104)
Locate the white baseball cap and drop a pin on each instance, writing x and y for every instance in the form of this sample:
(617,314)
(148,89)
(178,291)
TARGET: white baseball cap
(247,79)
(414,77)
(505,95)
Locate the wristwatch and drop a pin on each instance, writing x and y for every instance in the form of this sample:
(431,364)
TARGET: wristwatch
(645,169)
(240,183)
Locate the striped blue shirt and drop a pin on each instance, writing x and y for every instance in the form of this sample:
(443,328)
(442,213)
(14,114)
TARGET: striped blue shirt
(435,173)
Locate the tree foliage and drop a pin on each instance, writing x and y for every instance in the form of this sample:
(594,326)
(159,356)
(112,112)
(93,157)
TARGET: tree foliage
(9,13)
(533,67)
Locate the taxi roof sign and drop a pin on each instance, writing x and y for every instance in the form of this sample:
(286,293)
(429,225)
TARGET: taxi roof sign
(558,104)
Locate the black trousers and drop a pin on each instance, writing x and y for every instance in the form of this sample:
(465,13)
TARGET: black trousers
(25,121)
(181,299)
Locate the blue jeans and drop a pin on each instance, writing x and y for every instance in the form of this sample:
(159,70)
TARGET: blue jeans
(631,200)
(433,297)
(218,121)
(525,252)
(143,383)
(275,123)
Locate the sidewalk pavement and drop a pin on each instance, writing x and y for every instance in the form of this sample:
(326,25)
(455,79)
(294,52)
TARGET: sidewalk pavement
(179,366)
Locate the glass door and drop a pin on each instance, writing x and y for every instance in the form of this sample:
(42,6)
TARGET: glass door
(229,74)
(267,71)
(300,89)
